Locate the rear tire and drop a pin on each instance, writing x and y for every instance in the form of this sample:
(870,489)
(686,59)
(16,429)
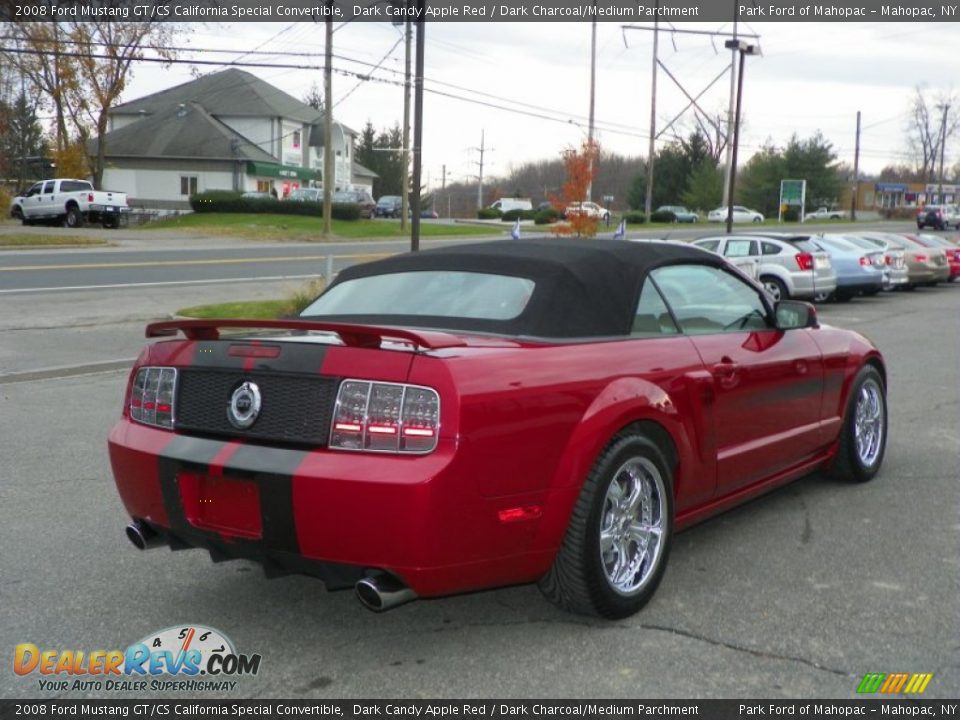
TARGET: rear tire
(73,218)
(618,540)
(775,288)
(863,439)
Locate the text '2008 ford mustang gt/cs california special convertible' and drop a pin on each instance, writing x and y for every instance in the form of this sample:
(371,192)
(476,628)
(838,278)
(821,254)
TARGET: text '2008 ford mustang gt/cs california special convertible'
(546,410)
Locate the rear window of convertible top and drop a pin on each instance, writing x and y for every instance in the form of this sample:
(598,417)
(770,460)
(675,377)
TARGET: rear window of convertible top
(437,293)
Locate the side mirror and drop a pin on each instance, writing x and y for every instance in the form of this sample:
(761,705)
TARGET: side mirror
(792,314)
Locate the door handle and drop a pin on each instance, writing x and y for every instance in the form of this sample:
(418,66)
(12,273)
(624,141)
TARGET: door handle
(727,372)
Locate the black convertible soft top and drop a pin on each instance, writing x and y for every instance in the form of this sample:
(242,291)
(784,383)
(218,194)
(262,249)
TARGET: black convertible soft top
(583,287)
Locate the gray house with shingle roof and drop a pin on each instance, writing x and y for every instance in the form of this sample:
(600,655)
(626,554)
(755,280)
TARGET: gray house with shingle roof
(225,131)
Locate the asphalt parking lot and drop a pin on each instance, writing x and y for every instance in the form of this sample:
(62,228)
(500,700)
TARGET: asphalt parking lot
(797,594)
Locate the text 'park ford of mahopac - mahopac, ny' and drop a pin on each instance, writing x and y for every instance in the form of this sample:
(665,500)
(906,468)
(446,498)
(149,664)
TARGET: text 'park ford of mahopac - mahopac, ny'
(837,11)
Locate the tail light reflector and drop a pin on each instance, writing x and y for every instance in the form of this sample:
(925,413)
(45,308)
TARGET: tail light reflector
(805,261)
(865,261)
(90,197)
(921,258)
(385,417)
(152,396)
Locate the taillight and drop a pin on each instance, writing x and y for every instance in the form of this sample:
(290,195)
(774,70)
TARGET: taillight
(385,417)
(888,259)
(865,261)
(805,261)
(89,197)
(920,258)
(152,396)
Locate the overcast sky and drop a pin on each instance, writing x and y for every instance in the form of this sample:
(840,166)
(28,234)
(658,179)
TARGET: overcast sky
(811,76)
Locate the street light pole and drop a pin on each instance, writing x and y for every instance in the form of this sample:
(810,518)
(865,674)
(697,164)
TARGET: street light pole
(744,50)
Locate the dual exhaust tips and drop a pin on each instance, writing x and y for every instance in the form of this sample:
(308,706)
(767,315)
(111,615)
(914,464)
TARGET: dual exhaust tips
(379,592)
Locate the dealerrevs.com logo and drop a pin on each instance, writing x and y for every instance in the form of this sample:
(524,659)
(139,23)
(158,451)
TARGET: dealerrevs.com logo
(180,658)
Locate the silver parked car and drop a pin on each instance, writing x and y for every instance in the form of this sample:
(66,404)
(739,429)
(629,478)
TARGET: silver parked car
(790,266)
(893,257)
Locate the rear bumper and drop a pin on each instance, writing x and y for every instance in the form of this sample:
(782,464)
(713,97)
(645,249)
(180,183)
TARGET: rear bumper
(334,515)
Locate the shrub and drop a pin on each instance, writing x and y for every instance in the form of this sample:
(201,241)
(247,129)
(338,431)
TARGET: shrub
(662,216)
(512,215)
(635,217)
(5,200)
(489,213)
(900,213)
(546,216)
(229,201)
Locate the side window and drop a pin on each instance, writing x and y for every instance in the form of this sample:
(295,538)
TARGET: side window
(652,317)
(740,248)
(48,187)
(707,300)
(770,248)
(34,189)
(710,245)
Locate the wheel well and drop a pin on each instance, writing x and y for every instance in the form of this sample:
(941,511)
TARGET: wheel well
(879,367)
(72,205)
(659,435)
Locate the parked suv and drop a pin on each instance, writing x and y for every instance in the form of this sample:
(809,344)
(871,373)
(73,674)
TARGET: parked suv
(938,216)
(790,265)
(388,206)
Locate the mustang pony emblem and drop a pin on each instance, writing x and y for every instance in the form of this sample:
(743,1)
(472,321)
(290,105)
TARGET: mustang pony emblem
(244,406)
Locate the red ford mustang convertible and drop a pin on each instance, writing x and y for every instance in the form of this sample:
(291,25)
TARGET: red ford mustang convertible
(547,411)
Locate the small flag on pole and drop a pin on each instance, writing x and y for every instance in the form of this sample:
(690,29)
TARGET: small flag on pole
(621,232)
(515,233)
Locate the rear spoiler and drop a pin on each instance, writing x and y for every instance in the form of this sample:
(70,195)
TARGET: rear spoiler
(366,336)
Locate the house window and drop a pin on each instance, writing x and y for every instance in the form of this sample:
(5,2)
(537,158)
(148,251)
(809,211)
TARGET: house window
(188,184)
(296,138)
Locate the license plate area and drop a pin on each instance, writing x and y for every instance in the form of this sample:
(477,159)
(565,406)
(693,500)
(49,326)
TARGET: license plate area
(225,505)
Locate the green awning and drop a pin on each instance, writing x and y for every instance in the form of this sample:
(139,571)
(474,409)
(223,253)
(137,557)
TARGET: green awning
(264,169)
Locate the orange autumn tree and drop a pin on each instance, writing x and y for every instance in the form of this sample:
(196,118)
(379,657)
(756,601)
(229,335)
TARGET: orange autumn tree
(579,164)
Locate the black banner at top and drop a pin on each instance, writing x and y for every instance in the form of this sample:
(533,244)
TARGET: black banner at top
(187,709)
(619,11)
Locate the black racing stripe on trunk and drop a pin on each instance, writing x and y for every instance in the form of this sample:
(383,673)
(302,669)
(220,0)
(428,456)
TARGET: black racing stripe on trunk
(197,451)
(303,358)
(270,469)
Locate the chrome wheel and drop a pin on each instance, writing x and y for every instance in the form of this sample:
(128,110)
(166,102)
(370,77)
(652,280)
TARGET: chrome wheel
(632,525)
(774,288)
(868,422)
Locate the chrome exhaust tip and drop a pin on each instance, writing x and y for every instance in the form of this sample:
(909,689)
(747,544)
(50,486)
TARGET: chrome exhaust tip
(383,592)
(142,536)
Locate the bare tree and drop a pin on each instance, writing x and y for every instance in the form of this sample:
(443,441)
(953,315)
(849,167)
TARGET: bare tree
(82,68)
(928,128)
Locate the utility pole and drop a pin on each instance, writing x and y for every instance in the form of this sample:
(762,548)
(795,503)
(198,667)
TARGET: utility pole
(328,179)
(856,173)
(405,157)
(730,109)
(417,129)
(482,150)
(943,146)
(648,205)
(593,89)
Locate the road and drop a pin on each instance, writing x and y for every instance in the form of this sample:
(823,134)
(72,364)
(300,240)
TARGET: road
(797,594)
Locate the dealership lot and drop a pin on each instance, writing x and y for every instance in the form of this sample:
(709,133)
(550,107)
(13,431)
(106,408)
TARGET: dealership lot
(797,594)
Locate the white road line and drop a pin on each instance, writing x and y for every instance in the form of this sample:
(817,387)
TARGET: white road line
(158,284)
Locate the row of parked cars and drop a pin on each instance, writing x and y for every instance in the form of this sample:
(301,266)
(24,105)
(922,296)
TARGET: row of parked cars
(838,266)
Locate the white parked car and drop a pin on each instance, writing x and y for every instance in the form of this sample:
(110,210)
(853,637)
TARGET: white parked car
(740,215)
(590,209)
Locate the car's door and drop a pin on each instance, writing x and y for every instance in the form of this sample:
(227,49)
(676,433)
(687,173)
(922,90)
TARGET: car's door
(767,383)
(31,201)
(47,202)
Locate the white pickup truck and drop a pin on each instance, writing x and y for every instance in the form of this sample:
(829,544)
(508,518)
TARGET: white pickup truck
(825,214)
(70,202)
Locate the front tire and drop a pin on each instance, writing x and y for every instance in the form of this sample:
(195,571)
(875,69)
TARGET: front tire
(863,439)
(618,541)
